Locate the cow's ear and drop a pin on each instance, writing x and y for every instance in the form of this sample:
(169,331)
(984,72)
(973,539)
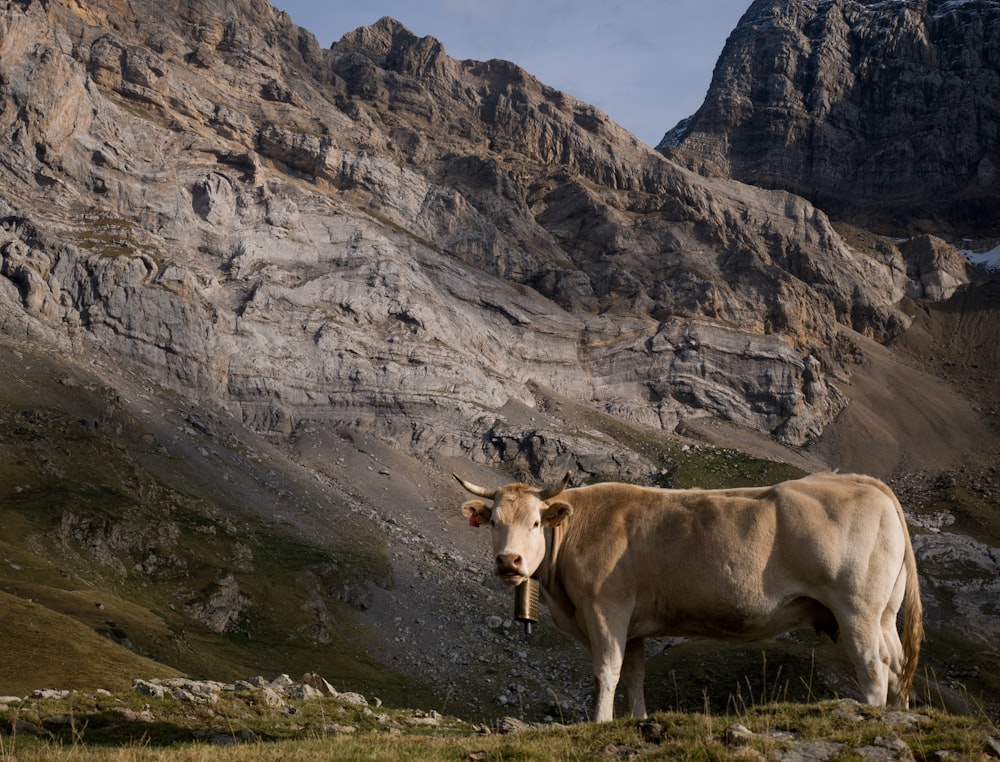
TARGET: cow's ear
(477,512)
(556,513)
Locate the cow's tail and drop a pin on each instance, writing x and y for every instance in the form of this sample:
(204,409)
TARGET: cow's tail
(913,625)
(913,616)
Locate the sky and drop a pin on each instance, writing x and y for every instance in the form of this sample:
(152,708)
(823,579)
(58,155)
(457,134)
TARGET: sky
(646,63)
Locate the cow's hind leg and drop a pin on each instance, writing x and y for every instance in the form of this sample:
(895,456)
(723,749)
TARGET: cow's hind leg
(894,649)
(634,675)
(892,644)
(867,651)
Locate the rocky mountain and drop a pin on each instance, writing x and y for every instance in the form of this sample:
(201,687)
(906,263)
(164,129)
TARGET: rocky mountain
(381,235)
(374,264)
(882,114)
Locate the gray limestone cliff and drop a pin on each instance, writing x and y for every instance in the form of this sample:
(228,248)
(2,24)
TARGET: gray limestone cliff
(381,237)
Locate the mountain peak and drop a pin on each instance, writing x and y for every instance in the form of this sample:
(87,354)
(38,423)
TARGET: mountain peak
(874,111)
(390,45)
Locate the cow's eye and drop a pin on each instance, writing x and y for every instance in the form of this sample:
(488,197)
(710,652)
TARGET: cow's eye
(536,525)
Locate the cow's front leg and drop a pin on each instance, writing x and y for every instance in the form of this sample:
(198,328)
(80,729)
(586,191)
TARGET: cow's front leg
(634,675)
(607,669)
(607,640)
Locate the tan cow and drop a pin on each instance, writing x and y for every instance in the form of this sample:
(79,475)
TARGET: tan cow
(619,563)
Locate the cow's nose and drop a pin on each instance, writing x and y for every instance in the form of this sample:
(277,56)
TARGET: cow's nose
(508,563)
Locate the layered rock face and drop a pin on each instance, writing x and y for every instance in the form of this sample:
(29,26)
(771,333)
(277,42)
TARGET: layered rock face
(873,111)
(379,236)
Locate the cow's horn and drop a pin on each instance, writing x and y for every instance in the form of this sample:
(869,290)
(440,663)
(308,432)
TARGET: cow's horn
(475,489)
(551,492)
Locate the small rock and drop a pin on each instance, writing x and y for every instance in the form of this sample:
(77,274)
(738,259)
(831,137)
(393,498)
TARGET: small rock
(881,754)
(147,688)
(58,720)
(738,735)
(131,715)
(846,714)
(334,729)
(273,698)
(810,751)
(947,755)
(25,726)
(993,746)
(891,742)
(506,725)
(302,692)
(353,698)
(896,718)
(49,693)
(428,721)
(651,731)
(319,683)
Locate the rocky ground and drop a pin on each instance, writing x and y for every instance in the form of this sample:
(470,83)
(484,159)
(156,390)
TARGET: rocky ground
(257,711)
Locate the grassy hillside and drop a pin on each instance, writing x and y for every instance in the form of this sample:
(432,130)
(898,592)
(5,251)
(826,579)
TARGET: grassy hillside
(44,648)
(147,551)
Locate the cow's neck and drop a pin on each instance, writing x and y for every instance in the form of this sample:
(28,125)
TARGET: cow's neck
(543,567)
(553,593)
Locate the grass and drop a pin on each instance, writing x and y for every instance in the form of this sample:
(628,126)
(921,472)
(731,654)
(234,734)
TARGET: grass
(701,675)
(106,235)
(712,468)
(126,728)
(974,514)
(45,648)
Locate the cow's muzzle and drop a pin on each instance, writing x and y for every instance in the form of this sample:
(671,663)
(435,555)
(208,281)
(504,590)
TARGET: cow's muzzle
(510,568)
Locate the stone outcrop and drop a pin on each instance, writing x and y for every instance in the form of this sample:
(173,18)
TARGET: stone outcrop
(962,579)
(871,110)
(379,236)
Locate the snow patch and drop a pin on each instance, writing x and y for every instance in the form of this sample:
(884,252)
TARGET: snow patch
(988,260)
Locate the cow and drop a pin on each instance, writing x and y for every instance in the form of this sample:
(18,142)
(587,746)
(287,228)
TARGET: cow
(618,563)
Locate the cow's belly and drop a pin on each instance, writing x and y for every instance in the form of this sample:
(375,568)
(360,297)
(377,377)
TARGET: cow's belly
(735,622)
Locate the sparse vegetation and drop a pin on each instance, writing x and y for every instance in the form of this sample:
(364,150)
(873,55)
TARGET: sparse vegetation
(975,513)
(711,468)
(127,728)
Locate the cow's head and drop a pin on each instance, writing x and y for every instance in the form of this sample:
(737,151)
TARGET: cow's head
(517,518)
